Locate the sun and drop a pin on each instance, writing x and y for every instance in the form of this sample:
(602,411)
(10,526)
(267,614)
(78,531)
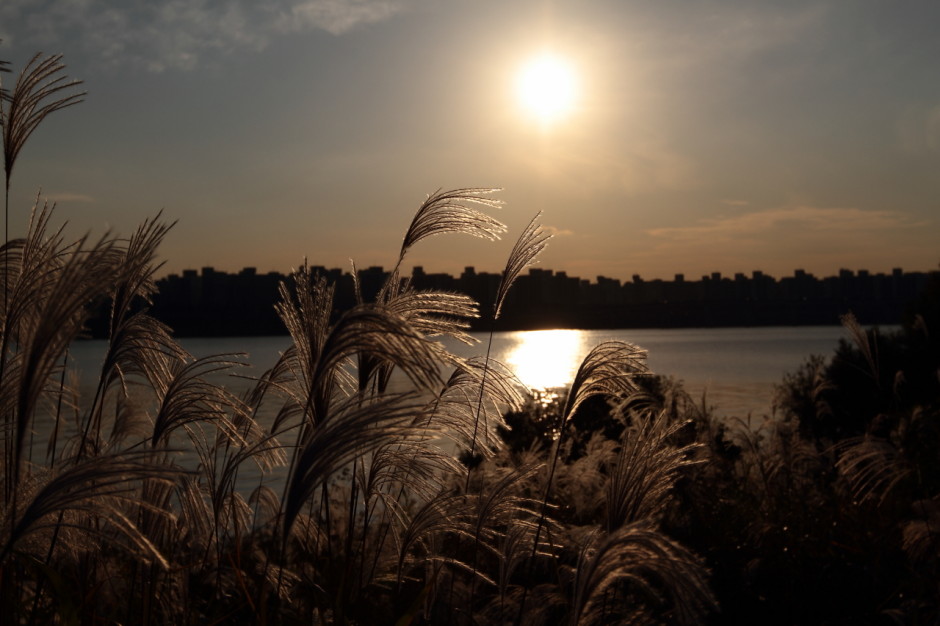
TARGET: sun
(546,86)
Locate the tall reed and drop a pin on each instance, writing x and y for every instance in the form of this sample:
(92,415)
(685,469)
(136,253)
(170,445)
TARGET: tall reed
(330,490)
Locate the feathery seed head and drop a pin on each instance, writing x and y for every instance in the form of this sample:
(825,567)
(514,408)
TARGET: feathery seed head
(528,247)
(450,212)
(39,91)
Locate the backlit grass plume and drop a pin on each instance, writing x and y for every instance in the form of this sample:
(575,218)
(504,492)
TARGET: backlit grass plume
(40,90)
(526,250)
(635,568)
(452,212)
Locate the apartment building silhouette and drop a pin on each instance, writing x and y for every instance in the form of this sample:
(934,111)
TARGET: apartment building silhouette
(214,303)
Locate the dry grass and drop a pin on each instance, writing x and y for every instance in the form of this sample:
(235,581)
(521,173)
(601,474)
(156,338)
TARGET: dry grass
(360,511)
(370,523)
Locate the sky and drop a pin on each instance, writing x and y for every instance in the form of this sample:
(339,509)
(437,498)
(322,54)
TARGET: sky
(703,136)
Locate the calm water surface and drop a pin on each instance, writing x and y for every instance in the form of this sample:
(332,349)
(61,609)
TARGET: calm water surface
(736,368)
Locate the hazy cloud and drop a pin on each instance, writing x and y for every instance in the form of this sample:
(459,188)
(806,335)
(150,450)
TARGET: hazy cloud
(645,167)
(558,232)
(746,29)
(804,219)
(721,33)
(335,16)
(68,197)
(177,34)
(919,129)
(779,240)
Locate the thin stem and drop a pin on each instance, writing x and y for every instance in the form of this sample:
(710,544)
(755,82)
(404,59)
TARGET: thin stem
(542,513)
(476,421)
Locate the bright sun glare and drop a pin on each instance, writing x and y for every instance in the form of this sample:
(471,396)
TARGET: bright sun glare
(546,359)
(547,87)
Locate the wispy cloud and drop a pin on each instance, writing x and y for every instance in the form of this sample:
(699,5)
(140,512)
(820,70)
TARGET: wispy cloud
(178,34)
(805,220)
(725,33)
(335,16)
(778,240)
(918,129)
(644,167)
(558,232)
(69,197)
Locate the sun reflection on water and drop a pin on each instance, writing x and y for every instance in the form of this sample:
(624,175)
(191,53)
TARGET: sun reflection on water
(546,359)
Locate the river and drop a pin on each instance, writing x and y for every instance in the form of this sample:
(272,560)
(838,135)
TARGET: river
(735,368)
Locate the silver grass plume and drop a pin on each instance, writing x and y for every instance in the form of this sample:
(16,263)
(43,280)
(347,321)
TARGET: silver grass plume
(477,518)
(95,487)
(191,398)
(271,382)
(583,482)
(513,544)
(56,318)
(874,467)
(436,313)
(416,466)
(609,369)
(460,404)
(526,249)
(523,254)
(502,502)
(348,432)
(646,470)
(432,313)
(196,521)
(140,265)
(394,478)
(323,349)
(413,465)
(137,342)
(3,68)
(652,565)
(451,212)
(497,506)
(29,271)
(40,90)
(429,313)
(920,540)
(865,345)
(305,311)
(442,514)
(377,331)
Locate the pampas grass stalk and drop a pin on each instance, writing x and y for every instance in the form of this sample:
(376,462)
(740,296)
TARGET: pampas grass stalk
(372,516)
(39,91)
(608,371)
(524,253)
(646,469)
(452,212)
(657,567)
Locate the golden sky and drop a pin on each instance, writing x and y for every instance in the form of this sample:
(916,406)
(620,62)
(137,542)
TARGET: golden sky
(681,137)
